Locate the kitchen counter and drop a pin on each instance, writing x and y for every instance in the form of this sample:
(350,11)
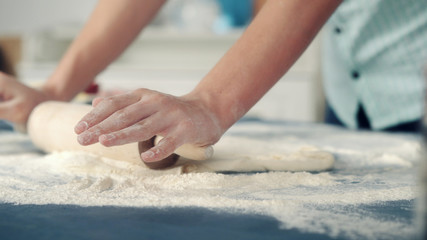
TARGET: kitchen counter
(369,194)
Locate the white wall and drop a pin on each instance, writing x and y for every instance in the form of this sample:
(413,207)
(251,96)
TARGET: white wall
(22,16)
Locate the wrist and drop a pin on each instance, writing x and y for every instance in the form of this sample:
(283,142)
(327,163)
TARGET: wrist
(224,110)
(72,75)
(64,88)
(54,93)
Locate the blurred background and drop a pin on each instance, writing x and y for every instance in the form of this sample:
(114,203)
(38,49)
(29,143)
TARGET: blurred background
(178,48)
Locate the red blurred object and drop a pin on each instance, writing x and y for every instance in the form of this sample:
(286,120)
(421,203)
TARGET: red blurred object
(93,88)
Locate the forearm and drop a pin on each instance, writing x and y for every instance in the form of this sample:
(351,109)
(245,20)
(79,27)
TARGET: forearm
(272,43)
(111,28)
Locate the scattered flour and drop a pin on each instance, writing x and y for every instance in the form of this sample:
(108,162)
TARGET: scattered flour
(314,202)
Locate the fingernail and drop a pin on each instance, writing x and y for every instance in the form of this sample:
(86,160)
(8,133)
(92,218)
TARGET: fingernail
(81,127)
(147,155)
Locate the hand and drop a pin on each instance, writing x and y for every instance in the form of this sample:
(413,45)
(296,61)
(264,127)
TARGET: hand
(142,114)
(17,100)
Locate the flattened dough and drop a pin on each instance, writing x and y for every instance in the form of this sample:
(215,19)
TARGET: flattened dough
(241,154)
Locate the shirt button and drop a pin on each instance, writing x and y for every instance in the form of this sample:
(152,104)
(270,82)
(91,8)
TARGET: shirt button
(337,30)
(355,74)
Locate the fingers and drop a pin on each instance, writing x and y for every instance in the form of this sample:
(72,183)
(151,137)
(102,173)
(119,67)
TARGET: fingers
(17,100)
(123,126)
(7,111)
(103,108)
(142,131)
(6,105)
(162,150)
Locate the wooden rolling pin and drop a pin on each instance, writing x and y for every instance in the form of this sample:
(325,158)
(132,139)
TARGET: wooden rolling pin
(51,128)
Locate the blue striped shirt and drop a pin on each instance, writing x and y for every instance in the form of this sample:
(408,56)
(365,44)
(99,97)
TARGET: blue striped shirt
(374,53)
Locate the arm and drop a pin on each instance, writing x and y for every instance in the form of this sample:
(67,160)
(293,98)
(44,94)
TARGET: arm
(271,44)
(111,28)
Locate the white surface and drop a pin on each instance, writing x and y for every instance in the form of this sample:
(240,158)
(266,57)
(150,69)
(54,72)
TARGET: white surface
(22,16)
(19,17)
(371,168)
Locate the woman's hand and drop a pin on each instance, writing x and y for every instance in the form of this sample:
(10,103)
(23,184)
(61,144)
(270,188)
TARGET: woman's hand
(141,114)
(17,100)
